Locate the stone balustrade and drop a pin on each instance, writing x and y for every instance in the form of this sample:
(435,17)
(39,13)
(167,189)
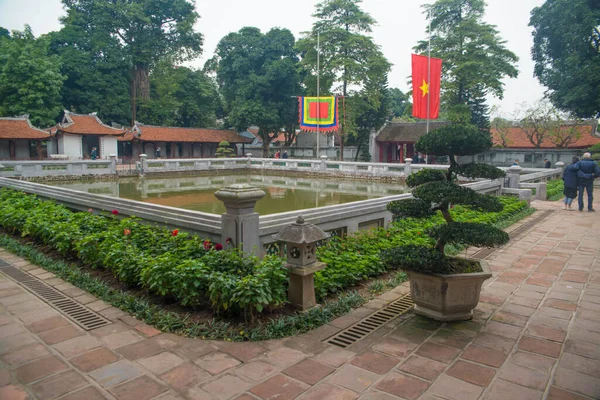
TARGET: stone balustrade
(339,219)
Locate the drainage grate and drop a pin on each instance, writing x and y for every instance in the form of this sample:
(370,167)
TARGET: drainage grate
(485,253)
(373,322)
(76,312)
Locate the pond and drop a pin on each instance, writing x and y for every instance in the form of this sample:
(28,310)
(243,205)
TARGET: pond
(284,193)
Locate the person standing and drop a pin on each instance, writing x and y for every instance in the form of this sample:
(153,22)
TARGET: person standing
(547,163)
(516,163)
(94,153)
(157,152)
(285,155)
(587,170)
(570,181)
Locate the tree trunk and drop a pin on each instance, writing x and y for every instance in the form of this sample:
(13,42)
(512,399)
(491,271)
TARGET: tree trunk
(142,81)
(266,146)
(140,87)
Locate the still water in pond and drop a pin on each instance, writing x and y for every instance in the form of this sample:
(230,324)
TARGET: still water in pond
(197,193)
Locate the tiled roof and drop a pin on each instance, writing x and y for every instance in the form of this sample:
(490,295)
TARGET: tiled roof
(406,131)
(517,139)
(149,133)
(86,124)
(20,128)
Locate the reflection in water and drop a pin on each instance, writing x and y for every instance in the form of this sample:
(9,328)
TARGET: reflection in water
(197,193)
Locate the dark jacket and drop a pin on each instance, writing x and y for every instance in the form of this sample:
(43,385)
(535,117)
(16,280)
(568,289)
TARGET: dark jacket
(570,177)
(587,170)
(548,164)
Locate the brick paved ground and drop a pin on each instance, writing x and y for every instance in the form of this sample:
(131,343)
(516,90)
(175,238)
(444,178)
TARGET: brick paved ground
(535,335)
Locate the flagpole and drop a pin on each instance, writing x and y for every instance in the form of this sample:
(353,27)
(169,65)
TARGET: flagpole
(318,89)
(428,79)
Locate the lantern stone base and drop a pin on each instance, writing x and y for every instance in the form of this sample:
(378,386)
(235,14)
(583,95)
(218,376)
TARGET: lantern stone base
(301,292)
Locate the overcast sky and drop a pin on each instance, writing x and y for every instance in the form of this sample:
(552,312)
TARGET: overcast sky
(400,25)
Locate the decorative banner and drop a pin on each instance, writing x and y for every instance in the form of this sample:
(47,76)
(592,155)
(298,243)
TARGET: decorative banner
(318,113)
(424,90)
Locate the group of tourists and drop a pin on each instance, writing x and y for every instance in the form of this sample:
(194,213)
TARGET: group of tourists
(278,155)
(579,177)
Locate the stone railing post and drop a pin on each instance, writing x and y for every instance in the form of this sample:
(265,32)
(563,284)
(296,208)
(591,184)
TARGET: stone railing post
(323,163)
(144,163)
(514,176)
(113,163)
(560,165)
(407,166)
(240,221)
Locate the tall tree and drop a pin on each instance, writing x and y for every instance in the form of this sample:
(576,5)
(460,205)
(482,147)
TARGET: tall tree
(30,78)
(145,31)
(475,59)
(258,77)
(399,102)
(180,97)
(566,51)
(501,127)
(538,122)
(348,55)
(97,78)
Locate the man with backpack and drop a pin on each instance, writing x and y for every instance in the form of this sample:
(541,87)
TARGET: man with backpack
(587,170)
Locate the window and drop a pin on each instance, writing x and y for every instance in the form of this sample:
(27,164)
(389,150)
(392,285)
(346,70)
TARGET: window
(492,156)
(538,158)
(528,158)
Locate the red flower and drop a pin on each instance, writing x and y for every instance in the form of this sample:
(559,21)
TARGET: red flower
(218,246)
(207,245)
(127,232)
(90,210)
(115,212)
(418,233)
(229,240)
(175,232)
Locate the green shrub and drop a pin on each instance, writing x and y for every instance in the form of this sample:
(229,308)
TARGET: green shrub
(357,257)
(168,263)
(436,192)
(224,150)
(554,189)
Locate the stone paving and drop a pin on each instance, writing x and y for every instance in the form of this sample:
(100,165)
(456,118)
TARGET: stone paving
(535,335)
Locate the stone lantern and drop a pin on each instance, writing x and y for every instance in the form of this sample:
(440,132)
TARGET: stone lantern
(301,240)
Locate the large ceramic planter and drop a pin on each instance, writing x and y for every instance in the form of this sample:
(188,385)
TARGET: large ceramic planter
(447,297)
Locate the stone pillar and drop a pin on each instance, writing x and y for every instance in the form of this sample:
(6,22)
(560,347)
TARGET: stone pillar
(560,165)
(514,176)
(113,163)
(144,163)
(240,222)
(407,166)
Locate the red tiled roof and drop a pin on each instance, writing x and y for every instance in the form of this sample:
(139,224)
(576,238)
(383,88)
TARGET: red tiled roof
(517,139)
(20,128)
(149,133)
(86,124)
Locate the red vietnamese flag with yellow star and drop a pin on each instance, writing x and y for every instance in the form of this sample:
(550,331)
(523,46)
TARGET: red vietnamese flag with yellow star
(423,89)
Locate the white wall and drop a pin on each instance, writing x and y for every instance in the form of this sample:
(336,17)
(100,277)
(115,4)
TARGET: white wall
(108,146)
(309,139)
(70,145)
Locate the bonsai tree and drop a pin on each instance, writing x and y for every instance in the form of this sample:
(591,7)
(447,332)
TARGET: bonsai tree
(435,191)
(224,150)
